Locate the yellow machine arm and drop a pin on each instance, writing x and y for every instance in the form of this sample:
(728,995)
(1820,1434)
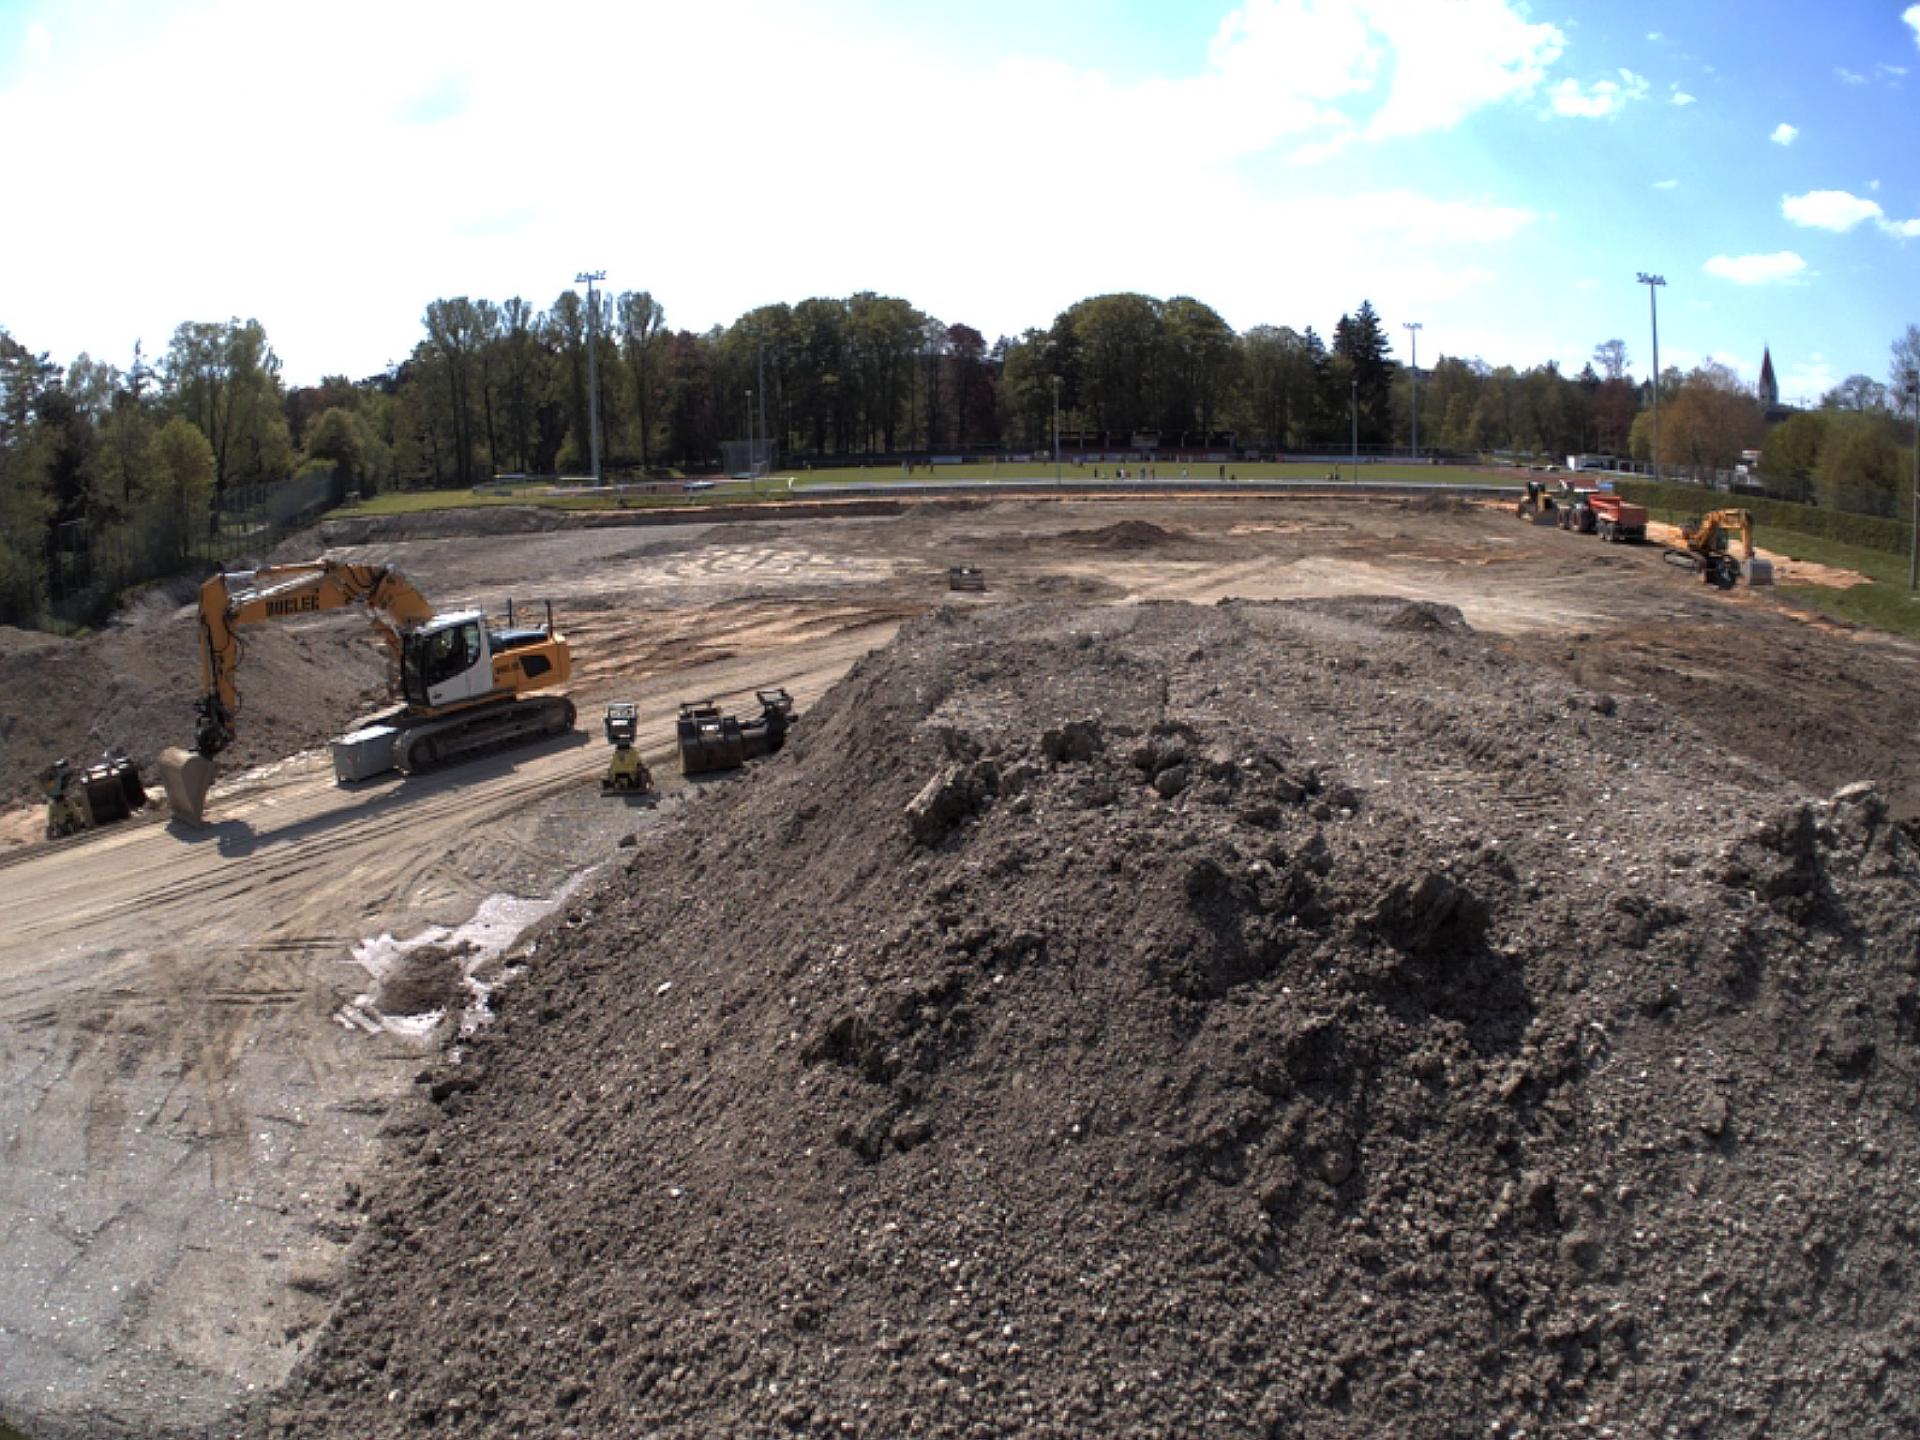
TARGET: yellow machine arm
(238,598)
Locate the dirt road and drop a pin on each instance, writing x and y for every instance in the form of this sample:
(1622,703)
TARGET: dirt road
(187,1099)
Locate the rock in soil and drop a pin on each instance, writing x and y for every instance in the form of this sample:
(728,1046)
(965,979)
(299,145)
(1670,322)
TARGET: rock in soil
(1377,1079)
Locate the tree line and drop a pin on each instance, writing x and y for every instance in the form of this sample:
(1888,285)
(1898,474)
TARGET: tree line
(147,458)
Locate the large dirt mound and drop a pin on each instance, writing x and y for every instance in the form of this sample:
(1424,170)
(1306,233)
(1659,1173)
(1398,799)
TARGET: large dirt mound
(1124,535)
(1260,1020)
(134,687)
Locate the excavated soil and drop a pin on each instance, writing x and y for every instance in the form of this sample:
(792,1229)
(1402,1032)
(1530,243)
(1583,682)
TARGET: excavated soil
(134,687)
(1123,535)
(1177,1020)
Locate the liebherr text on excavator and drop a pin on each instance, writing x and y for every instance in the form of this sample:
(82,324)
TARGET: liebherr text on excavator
(461,680)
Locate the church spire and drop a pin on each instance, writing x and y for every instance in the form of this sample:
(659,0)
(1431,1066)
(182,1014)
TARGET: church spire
(1769,386)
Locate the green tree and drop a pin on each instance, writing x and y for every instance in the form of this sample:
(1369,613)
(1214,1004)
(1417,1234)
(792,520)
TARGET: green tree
(643,324)
(1362,343)
(1860,465)
(1279,383)
(336,438)
(1710,422)
(184,480)
(225,378)
(1791,451)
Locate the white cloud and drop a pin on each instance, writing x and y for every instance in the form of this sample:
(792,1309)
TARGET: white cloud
(1281,74)
(1851,77)
(1586,282)
(1681,97)
(1666,184)
(1601,100)
(39,42)
(1912,16)
(1757,269)
(1840,211)
(1442,63)
(1836,210)
(1784,134)
(1655,36)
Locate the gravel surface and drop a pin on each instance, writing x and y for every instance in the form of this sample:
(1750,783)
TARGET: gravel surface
(1296,1019)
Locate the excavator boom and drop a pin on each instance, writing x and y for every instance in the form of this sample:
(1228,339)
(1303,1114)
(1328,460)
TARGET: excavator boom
(451,664)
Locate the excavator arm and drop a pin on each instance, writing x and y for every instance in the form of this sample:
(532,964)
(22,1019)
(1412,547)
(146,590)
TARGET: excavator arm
(231,600)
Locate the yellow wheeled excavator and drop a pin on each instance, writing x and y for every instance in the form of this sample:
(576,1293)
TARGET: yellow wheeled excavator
(461,680)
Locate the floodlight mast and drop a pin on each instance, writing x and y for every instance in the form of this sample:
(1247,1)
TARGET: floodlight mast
(589,278)
(1412,327)
(1056,430)
(1653,284)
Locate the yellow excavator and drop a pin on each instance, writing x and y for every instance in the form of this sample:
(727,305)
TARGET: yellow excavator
(461,679)
(1708,551)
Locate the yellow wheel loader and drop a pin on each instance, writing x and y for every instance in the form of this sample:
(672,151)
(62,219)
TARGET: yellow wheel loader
(461,680)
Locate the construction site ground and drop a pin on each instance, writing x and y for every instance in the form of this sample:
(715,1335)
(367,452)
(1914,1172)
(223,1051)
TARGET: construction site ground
(205,1032)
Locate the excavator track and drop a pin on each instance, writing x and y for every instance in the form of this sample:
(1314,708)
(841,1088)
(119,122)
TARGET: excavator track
(432,744)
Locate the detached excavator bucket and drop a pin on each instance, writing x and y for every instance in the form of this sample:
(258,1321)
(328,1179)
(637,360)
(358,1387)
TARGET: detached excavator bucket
(187,776)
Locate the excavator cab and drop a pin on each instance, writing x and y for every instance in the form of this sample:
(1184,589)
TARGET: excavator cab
(447,660)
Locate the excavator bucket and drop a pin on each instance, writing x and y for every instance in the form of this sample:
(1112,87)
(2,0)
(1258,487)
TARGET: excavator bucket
(187,776)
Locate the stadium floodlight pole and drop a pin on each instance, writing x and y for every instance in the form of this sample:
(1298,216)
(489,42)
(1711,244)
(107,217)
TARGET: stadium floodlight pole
(760,389)
(1412,327)
(1056,430)
(1913,524)
(1653,284)
(588,278)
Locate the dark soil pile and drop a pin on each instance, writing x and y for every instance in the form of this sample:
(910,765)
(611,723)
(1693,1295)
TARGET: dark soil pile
(426,978)
(134,688)
(1260,1020)
(1123,535)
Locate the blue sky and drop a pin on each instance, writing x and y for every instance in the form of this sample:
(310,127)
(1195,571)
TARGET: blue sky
(1497,172)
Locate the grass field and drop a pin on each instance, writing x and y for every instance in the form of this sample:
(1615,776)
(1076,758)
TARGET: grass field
(407,502)
(1083,474)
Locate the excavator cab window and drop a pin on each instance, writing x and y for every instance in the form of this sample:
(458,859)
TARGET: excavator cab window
(434,659)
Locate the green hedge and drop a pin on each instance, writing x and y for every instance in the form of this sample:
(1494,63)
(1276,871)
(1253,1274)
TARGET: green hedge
(1872,532)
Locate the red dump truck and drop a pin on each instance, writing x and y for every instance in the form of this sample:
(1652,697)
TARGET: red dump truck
(1589,511)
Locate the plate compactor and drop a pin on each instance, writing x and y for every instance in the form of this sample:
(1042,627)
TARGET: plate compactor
(93,795)
(711,739)
(627,773)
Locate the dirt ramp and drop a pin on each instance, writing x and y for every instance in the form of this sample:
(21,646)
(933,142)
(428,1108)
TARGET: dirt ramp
(1167,1020)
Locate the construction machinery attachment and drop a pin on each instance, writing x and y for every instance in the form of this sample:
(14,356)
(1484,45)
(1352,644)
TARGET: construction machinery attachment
(712,739)
(626,773)
(82,798)
(187,776)
(966,577)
